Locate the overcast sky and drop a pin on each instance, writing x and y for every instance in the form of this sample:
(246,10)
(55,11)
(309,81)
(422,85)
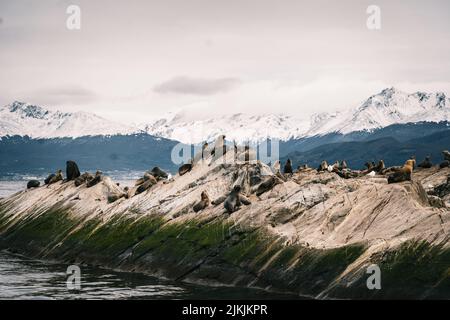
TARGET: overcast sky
(135,60)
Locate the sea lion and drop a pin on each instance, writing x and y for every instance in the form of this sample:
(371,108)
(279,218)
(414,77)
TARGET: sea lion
(402,174)
(33,184)
(185,168)
(232,202)
(413,157)
(369,165)
(146,176)
(379,167)
(83,178)
(58,177)
(247,153)
(446,155)
(244,200)
(203,203)
(219,200)
(287,167)
(158,173)
(267,185)
(126,190)
(254,174)
(343,165)
(444,164)
(113,197)
(205,145)
(219,145)
(97,178)
(50,176)
(335,167)
(347,173)
(72,171)
(323,166)
(426,164)
(151,181)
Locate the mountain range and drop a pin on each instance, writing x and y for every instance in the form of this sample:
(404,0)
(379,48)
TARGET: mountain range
(23,119)
(388,107)
(391,125)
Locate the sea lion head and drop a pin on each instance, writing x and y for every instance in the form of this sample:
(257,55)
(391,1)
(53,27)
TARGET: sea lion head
(411,163)
(204,195)
(237,188)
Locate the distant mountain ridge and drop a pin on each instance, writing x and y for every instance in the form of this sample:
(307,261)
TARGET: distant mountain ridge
(138,152)
(386,108)
(23,119)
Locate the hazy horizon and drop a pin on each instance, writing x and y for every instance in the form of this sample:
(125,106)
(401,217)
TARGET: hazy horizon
(138,60)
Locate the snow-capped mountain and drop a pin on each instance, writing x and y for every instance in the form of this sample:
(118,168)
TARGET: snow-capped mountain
(239,127)
(388,107)
(24,119)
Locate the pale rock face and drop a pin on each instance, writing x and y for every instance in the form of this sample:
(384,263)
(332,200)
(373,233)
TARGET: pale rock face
(310,209)
(319,208)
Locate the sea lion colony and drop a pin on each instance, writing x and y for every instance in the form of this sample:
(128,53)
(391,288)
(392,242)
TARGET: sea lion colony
(234,198)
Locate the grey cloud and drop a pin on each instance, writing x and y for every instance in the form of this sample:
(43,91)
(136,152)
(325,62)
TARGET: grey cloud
(196,86)
(63,95)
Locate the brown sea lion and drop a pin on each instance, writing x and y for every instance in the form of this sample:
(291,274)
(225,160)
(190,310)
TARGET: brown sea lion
(219,200)
(151,181)
(426,164)
(232,202)
(49,177)
(335,166)
(205,145)
(267,185)
(323,166)
(220,146)
(446,155)
(287,167)
(402,174)
(379,167)
(115,196)
(369,165)
(203,203)
(146,176)
(83,178)
(185,168)
(57,177)
(97,178)
(158,173)
(444,164)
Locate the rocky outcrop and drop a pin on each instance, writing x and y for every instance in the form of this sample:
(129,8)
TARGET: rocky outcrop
(314,234)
